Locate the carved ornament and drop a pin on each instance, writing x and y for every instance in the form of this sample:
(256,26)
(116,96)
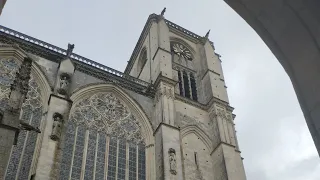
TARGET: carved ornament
(56,126)
(172,161)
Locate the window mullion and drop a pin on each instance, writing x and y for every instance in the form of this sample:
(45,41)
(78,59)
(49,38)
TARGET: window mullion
(137,162)
(127,161)
(74,145)
(106,157)
(117,158)
(84,156)
(95,156)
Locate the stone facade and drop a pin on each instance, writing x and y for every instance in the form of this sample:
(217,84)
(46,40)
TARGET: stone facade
(166,117)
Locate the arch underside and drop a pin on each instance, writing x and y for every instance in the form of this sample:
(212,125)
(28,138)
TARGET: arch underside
(291,30)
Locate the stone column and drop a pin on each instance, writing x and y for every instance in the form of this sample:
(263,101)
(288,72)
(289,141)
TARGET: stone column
(226,156)
(10,118)
(58,113)
(167,136)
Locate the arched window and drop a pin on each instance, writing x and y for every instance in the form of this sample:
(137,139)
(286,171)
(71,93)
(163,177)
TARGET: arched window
(187,85)
(22,154)
(142,60)
(186,78)
(101,136)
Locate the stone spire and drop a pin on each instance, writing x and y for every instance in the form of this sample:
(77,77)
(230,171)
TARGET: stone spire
(163,11)
(207,35)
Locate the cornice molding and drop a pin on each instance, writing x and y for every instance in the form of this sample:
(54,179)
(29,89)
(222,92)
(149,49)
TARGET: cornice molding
(53,53)
(119,81)
(207,106)
(165,79)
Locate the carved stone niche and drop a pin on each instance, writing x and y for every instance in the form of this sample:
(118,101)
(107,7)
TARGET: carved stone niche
(56,126)
(64,83)
(172,161)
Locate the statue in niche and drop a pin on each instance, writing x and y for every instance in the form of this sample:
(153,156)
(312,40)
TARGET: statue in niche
(172,161)
(64,84)
(56,127)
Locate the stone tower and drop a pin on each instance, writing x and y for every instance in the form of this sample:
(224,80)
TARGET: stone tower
(167,117)
(192,116)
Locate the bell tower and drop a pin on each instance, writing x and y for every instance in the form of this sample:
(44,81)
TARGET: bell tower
(194,128)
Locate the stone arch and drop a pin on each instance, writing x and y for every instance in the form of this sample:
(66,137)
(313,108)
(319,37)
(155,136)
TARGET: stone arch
(146,127)
(19,54)
(143,58)
(197,159)
(103,91)
(32,112)
(198,132)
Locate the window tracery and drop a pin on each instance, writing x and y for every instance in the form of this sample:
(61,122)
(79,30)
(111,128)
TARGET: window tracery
(181,51)
(101,124)
(22,154)
(185,74)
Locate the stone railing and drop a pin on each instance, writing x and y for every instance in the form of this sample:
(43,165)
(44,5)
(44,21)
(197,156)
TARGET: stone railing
(184,30)
(74,56)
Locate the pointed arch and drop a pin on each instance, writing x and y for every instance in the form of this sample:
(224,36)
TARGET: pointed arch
(41,79)
(189,129)
(146,128)
(111,110)
(32,112)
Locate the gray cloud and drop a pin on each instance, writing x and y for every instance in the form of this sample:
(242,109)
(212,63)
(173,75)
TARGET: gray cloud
(272,133)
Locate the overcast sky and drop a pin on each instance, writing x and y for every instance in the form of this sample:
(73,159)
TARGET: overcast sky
(273,136)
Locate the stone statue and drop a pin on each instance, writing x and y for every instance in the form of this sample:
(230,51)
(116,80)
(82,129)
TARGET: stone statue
(56,127)
(70,49)
(172,161)
(64,84)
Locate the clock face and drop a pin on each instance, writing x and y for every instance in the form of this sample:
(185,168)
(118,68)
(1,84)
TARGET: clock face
(182,51)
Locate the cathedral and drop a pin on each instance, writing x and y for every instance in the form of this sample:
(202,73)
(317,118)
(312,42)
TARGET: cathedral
(166,117)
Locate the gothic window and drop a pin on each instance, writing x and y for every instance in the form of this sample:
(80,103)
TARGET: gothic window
(22,154)
(102,141)
(187,85)
(193,87)
(142,60)
(186,78)
(180,83)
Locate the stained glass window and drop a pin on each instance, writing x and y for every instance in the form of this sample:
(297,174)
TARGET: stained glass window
(142,163)
(67,150)
(132,162)
(100,161)
(112,160)
(122,160)
(78,153)
(91,151)
(21,158)
(104,127)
